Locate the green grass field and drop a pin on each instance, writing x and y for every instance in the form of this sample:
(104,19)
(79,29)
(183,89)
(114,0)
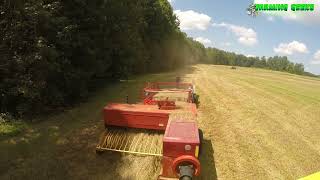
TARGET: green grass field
(257,124)
(263,124)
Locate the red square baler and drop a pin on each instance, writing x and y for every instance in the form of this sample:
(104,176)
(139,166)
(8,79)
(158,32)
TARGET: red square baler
(170,120)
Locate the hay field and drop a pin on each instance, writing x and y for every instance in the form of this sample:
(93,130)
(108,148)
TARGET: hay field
(262,124)
(257,124)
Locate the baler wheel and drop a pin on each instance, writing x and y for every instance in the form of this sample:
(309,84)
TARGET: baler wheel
(201,141)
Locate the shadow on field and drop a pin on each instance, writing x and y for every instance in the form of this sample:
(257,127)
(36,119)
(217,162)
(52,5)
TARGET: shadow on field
(208,168)
(53,154)
(62,145)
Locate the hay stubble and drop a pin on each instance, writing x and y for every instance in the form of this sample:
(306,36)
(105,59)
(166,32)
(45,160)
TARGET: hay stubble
(263,124)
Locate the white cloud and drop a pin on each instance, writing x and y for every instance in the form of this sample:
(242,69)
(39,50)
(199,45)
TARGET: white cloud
(290,48)
(204,41)
(246,36)
(191,20)
(227,44)
(310,17)
(170,1)
(316,58)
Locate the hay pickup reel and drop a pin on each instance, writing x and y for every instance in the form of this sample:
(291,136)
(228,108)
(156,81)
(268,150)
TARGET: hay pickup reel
(164,125)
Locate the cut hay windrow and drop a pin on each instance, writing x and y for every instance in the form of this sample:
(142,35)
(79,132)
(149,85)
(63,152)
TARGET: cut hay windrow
(182,116)
(171,96)
(182,112)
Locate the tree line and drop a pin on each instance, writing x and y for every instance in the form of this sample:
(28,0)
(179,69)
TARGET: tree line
(53,52)
(276,63)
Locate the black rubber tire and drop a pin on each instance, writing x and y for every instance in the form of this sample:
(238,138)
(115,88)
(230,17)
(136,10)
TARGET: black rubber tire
(201,141)
(195,99)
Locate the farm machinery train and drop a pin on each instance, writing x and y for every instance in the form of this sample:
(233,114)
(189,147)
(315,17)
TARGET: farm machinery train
(163,124)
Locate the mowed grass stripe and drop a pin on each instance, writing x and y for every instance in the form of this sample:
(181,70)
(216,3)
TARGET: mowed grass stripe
(272,130)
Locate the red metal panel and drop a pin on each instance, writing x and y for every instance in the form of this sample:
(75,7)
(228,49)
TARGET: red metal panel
(136,116)
(178,135)
(193,109)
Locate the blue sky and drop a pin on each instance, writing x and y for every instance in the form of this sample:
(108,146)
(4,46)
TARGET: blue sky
(224,24)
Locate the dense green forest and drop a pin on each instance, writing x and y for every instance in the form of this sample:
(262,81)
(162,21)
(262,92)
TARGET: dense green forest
(53,52)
